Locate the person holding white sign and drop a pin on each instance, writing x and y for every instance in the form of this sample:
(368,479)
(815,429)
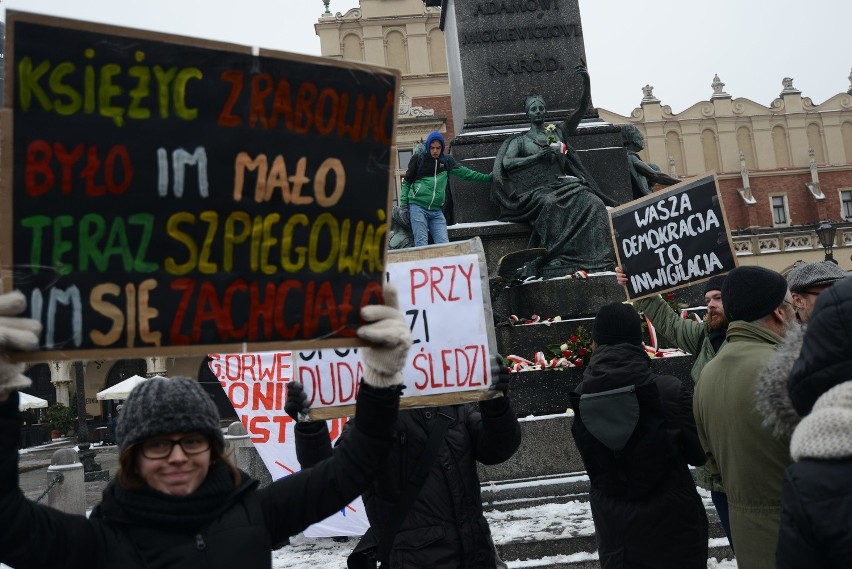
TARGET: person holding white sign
(425,508)
(178,501)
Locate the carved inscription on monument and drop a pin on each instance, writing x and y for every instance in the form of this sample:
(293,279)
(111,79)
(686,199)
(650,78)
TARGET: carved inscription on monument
(509,47)
(523,34)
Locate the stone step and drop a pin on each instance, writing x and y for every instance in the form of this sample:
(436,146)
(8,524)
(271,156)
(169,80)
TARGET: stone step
(526,339)
(499,238)
(506,495)
(556,512)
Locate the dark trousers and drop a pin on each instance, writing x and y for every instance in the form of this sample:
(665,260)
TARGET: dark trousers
(720,501)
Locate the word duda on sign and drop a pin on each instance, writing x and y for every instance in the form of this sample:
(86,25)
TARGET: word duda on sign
(176,196)
(672,238)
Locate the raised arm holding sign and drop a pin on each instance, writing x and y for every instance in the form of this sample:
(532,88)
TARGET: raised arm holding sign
(672,238)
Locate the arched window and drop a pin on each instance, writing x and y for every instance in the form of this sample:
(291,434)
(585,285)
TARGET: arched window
(352,48)
(779,145)
(746,146)
(815,142)
(396,53)
(674,149)
(846,131)
(711,153)
(437,52)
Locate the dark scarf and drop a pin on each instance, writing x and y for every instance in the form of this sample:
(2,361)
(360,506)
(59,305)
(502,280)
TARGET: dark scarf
(151,507)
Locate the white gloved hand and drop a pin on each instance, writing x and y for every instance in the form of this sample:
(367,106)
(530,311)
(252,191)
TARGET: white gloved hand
(16,333)
(390,338)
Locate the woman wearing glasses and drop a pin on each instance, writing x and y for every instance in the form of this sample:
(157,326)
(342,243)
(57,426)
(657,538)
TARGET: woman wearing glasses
(178,501)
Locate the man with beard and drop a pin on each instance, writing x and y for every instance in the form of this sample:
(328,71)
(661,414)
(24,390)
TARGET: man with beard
(704,339)
(744,453)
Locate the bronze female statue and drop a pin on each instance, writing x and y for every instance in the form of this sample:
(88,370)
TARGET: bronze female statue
(540,180)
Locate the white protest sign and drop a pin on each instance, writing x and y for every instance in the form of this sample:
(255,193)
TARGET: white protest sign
(442,300)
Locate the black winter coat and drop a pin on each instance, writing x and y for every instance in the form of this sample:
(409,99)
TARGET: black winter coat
(646,509)
(816,499)
(816,522)
(445,526)
(218,526)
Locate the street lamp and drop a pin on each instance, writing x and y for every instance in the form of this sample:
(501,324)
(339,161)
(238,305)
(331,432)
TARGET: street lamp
(825,233)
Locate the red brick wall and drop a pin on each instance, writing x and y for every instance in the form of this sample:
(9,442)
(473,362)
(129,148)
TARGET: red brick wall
(803,208)
(443,108)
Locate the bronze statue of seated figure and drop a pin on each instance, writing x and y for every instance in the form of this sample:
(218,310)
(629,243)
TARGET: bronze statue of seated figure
(540,180)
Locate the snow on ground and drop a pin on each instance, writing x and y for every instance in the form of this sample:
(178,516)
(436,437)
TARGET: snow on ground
(542,521)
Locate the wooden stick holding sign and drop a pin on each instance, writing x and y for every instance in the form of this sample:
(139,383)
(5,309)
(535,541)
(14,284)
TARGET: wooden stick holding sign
(672,238)
(173,196)
(444,295)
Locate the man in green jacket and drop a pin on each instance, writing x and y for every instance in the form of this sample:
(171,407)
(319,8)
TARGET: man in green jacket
(702,339)
(424,190)
(744,453)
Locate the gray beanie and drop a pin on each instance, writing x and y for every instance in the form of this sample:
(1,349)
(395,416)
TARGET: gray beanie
(814,274)
(160,405)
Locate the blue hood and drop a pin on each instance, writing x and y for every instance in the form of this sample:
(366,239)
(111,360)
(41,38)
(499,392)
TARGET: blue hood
(435,135)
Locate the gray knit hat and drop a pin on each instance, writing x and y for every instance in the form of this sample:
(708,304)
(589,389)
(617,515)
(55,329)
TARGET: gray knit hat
(161,405)
(814,274)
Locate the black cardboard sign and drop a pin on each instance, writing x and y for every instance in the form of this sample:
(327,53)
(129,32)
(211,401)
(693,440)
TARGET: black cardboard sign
(672,238)
(172,196)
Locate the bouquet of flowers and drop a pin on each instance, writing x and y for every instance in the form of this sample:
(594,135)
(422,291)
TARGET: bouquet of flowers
(550,130)
(575,349)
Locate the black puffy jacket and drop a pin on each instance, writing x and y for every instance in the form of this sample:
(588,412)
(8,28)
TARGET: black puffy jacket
(218,526)
(445,526)
(643,499)
(816,519)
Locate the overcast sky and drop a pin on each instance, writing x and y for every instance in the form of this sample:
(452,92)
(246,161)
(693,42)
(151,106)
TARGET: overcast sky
(674,45)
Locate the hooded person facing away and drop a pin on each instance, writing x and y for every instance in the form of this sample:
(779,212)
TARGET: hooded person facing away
(636,435)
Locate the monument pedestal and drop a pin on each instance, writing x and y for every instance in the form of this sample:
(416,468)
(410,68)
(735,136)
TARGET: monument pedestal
(498,54)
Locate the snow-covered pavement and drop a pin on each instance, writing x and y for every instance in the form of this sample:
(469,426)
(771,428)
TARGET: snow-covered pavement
(540,522)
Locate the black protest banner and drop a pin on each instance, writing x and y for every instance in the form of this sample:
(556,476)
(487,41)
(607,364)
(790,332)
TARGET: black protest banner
(169,195)
(672,238)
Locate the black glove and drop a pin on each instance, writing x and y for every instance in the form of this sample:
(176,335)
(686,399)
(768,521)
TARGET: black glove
(297,404)
(499,376)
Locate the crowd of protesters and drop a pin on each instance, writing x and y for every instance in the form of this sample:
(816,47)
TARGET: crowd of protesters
(765,419)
